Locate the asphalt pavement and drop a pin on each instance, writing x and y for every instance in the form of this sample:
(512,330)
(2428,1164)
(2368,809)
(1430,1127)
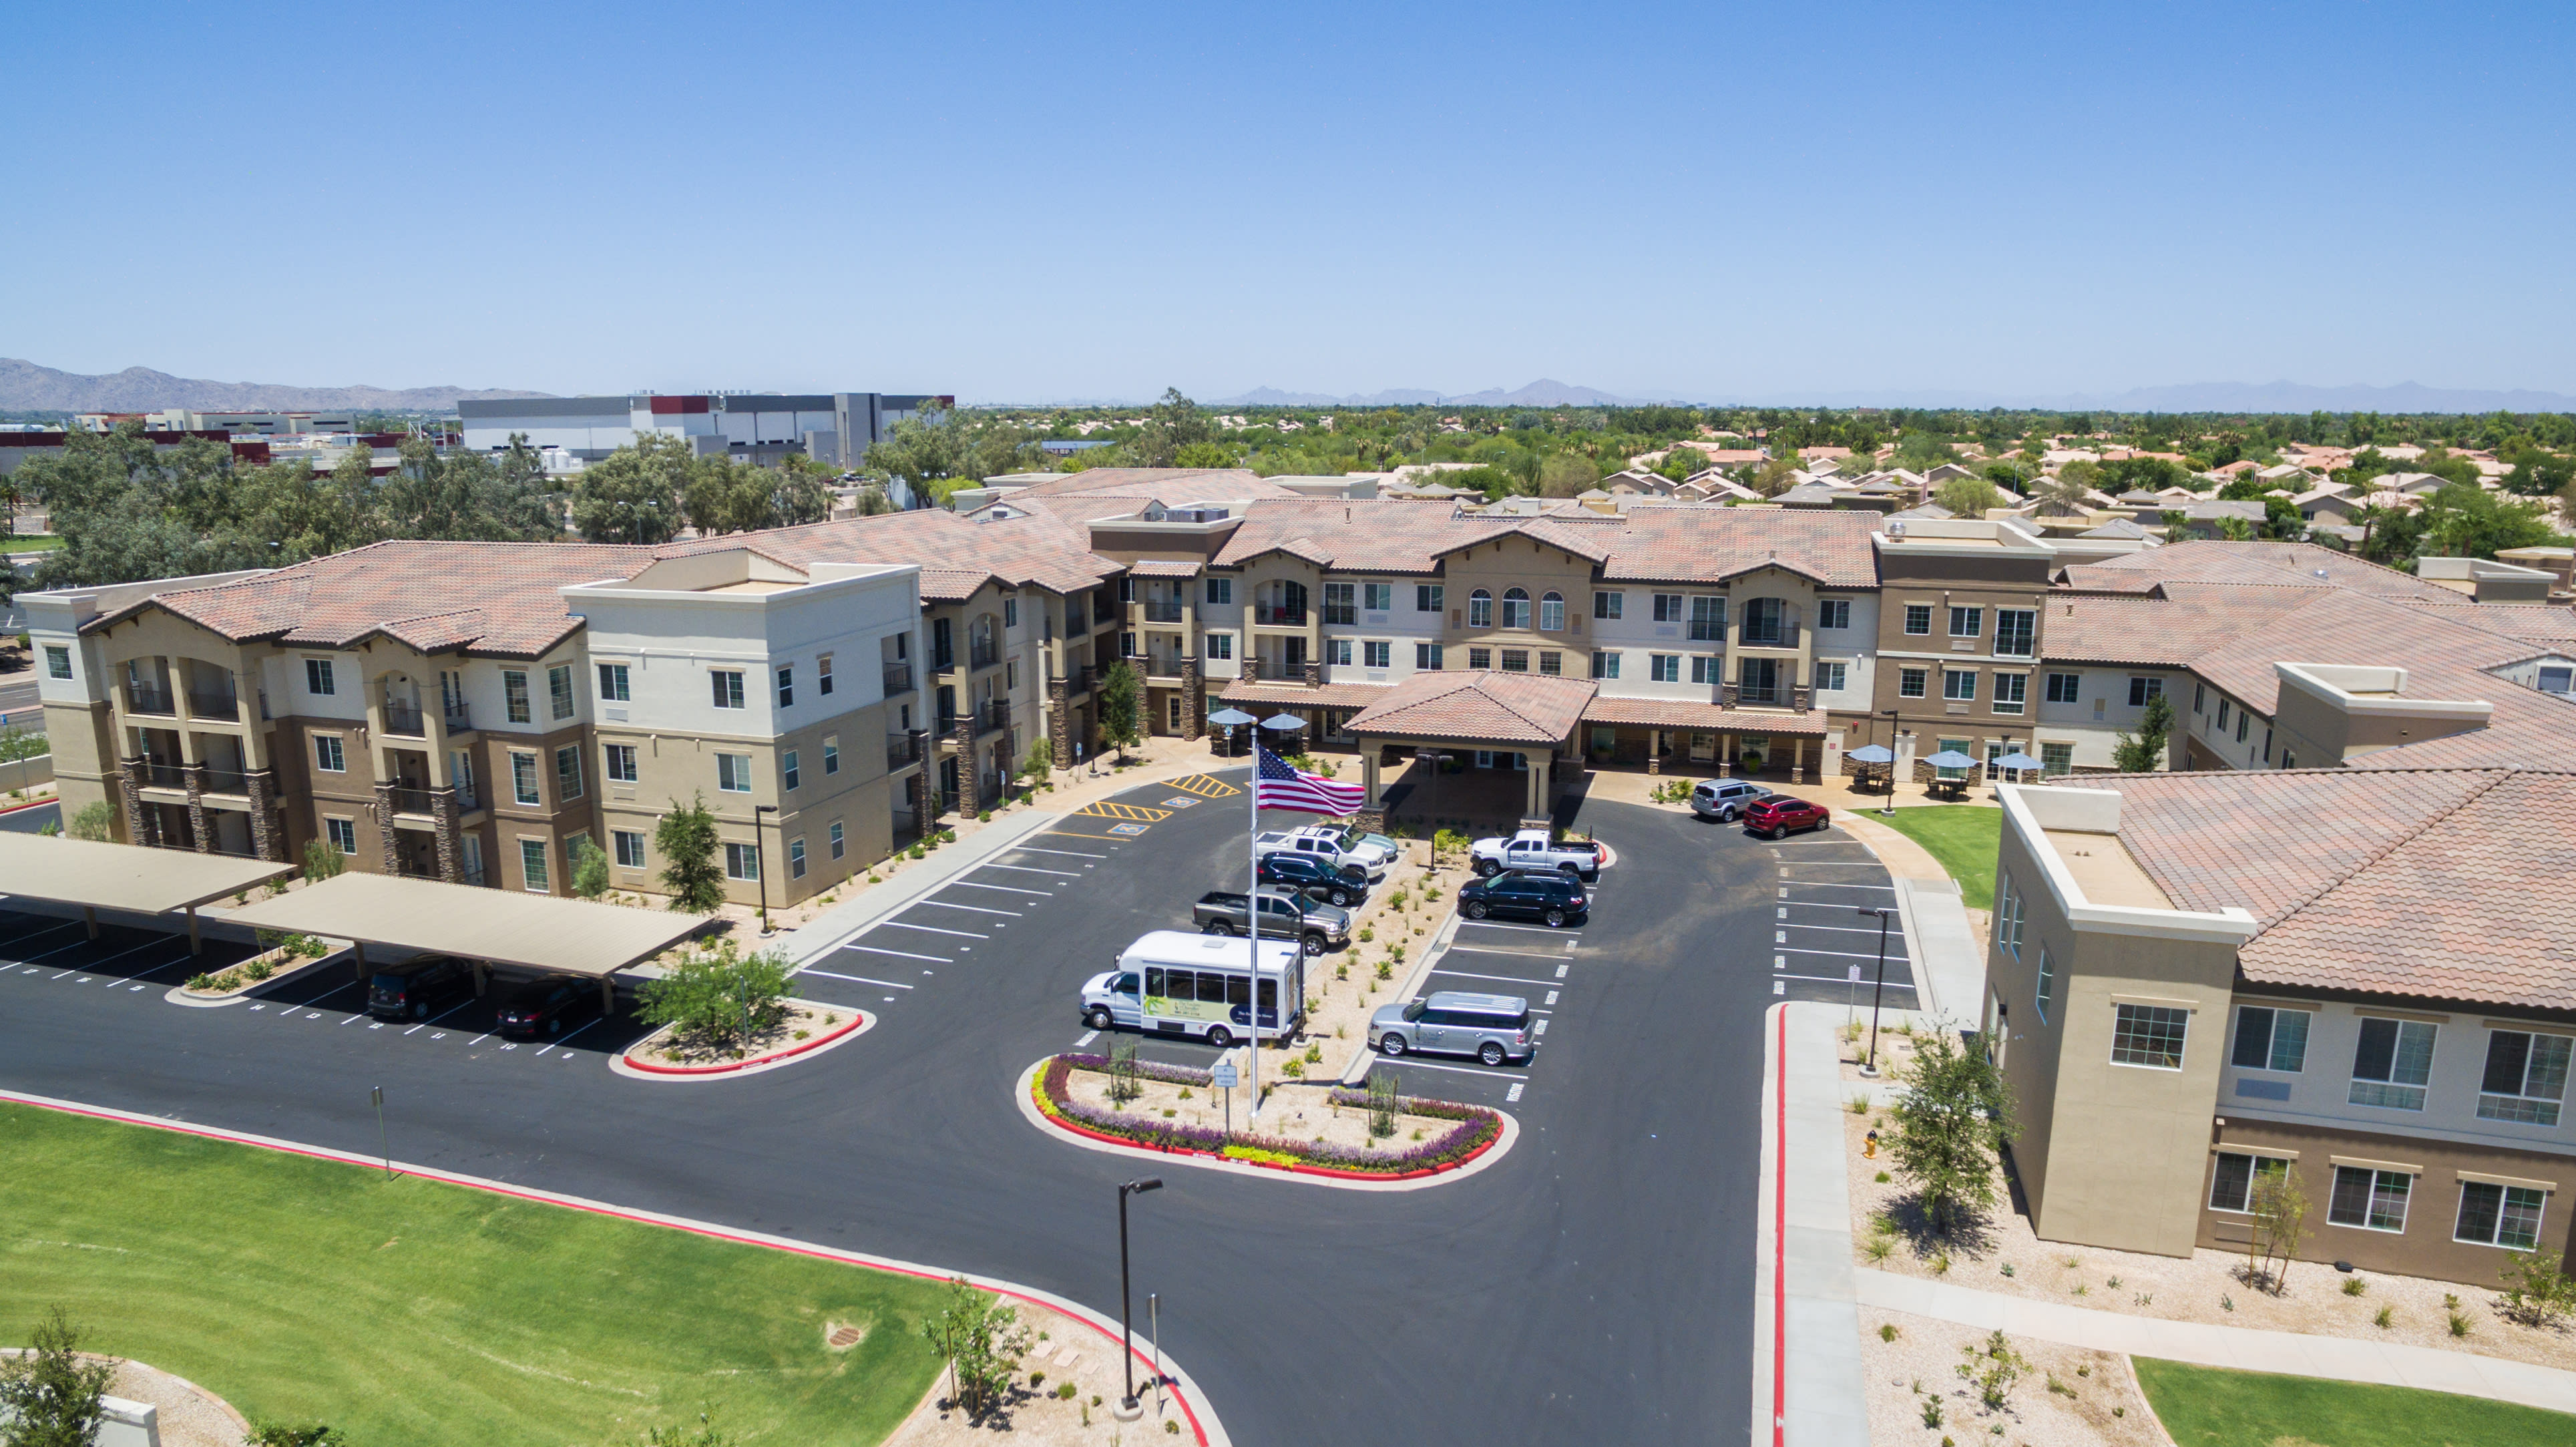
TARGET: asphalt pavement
(1594,1285)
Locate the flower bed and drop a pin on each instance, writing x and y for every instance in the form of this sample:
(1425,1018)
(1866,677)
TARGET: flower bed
(1475,1131)
(289,952)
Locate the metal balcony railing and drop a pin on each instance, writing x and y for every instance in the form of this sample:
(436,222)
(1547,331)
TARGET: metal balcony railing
(414,801)
(901,749)
(226,781)
(898,679)
(983,658)
(1162,612)
(164,776)
(996,715)
(1271,616)
(214,705)
(150,700)
(404,720)
(1784,636)
(457,717)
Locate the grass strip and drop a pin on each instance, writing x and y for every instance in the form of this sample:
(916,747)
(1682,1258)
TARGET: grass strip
(1963,837)
(2215,1407)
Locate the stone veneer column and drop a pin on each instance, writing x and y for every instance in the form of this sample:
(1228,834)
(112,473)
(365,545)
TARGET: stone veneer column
(1059,721)
(385,837)
(196,775)
(1314,673)
(451,860)
(968,785)
(142,821)
(925,794)
(1193,700)
(266,839)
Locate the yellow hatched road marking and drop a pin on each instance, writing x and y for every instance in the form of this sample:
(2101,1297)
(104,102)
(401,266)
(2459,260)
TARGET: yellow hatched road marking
(1137,812)
(1206,787)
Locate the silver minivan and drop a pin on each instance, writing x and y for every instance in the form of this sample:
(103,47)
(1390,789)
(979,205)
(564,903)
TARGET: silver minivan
(1493,1028)
(1723,800)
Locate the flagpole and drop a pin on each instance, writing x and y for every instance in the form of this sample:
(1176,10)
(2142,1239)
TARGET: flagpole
(1252,912)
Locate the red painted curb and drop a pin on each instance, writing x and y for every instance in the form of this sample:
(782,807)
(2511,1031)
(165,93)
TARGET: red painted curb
(1060,1123)
(858,1022)
(31,804)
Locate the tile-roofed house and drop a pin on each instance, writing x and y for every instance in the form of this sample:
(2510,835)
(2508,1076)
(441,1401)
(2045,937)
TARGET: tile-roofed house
(2250,562)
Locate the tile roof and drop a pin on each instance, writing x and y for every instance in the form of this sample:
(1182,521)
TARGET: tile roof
(1700,716)
(1037,550)
(1505,708)
(1655,543)
(1282,693)
(2173,626)
(1165,567)
(2258,562)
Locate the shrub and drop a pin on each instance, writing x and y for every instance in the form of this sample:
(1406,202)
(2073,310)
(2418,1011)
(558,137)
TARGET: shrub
(323,860)
(2537,1288)
(201,982)
(982,1341)
(686,839)
(2459,1324)
(717,997)
(257,970)
(915,852)
(1887,1331)
(589,869)
(310,1434)
(2382,1320)
(2354,1286)
(50,1391)
(94,823)
(984,816)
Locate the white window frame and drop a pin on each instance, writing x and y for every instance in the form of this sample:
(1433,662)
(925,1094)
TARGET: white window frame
(1955,691)
(343,833)
(724,687)
(320,679)
(330,756)
(2066,688)
(614,685)
(619,839)
(527,783)
(2538,1205)
(1377,653)
(2012,693)
(2389,1092)
(1831,676)
(734,767)
(2536,1098)
(2132,1023)
(1914,683)
(2370,1200)
(740,858)
(1833,615)
(2257,1166)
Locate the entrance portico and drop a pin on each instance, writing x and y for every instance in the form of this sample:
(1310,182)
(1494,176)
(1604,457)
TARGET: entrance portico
(1532,716)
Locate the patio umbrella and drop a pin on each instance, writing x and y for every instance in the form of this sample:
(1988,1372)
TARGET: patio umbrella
(1951,759)
(2018,761)
(1230,717)
(1871,754)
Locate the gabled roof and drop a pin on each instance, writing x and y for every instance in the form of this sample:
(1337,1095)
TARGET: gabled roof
(2215,561)
(957,556)
(1503,708)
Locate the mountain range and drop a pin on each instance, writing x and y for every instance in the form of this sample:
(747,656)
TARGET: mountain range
(1545,392)
(27,387)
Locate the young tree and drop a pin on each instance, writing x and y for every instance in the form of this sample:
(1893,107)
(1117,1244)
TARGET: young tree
(94,822)
(983,1342)
(686,839)
(1951,1123)
(49,1395)
(2280,1212)
(589,869)
(323,860)
(717,997)
(1968,497)
(1121,706)
(2145,754)
(2537,1290)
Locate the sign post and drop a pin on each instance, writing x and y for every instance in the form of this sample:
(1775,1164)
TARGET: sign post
(1225,1078)
(381,1139)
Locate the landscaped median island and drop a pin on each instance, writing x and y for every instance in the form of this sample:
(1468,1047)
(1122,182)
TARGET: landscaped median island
(722,1012)
(1372,1134)
(280,954)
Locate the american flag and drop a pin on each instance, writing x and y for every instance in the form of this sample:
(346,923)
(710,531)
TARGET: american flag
(1277,786)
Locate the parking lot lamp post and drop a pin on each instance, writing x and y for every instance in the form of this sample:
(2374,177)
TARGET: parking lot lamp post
(1869,1067)
(1128,1411)
(760,864)
(1889,808)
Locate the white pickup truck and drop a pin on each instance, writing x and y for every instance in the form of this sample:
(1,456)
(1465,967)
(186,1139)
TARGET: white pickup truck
(1533,849)
(1344,848)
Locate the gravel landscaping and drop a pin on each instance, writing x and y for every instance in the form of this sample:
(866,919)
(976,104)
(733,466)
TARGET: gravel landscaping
(2065,1396)
(801,1022)
(1066,1353)
(1322,1127)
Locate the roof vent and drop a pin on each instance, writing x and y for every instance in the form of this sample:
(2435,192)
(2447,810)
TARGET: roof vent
(2320,572)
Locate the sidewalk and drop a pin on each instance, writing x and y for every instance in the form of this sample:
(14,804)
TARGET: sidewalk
(1949,960)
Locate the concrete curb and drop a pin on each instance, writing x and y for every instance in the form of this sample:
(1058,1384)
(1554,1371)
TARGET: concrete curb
(178,994)
(844,923)
(619,1064)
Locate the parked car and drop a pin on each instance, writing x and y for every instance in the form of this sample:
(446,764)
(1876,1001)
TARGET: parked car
(1333,845)
(1493,1028)
(545,1006)
(1724,800)
(1552,898)
(419,987)
(1284,912)
(1776,815)
(1533,849)
(1341,887)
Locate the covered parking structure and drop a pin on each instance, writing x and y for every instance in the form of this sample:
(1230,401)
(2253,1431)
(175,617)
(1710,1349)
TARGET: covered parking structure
(486,926)
(1533,716)
(125,878)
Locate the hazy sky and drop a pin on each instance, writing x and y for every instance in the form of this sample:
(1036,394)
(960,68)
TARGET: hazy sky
(1026,202)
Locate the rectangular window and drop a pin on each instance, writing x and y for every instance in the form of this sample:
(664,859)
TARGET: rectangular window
(568,773)
(823,675)
(58,661)
(2271,1039)
(2143,689)
(1515,660)
(742,861)
(2066,688)
(2016,632)
(1220,590)
(839,844)
(2499,1215)
(2371,1199)
(2526,1077)
(1220,645)
(613,683)
(1551,664)
(1912,682)
(2231,1180)
(1707,619)
(621,762)
(2222,707)
(1340,603)
(1833,613)
(1479,659)
(1337,650)
(787,686)
(733,773)
(327,756)
(2392,1064)
(344,834)
(2242,719)
(2046,994)
(1377,654)
(1551,613)
(796,859)
(1705,669)
(1377,597)
(2012,691)
(1608,607)
(1959,685)
(2057,758)
(630,848)
(317,677)
(1605,665)
(523,777)
(2149,1035)
(789,770)
(2008,920)
(1427,597)
(1967,622)
(1010,612)
(726,685)
(1668,607)
(831,757)
(559,691)
(2199,698)
(1664,667)
(1918,620)
(1426,655)
(532,865)
(1829,677)
(514,696)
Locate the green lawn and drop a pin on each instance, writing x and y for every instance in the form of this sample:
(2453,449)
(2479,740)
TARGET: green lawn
(29,543)
(2212,1407)
(412,1312)
(1962,836)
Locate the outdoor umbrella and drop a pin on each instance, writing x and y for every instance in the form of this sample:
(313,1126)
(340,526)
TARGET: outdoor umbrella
(1951,759)
(1871,754)
(1230,718)
(2018,761)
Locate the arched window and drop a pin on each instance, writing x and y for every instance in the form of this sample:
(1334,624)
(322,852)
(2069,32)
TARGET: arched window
(1480,609)
(1551,613)
(1515,608)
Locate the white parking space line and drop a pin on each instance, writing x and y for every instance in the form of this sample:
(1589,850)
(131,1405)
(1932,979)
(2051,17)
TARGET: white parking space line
(1837,929)
(37,934)
(1515,1092)
(1536,929)
(856,979)
(1508,979)
(120,954)
(1829,884)
(1776,977)
(1087,1037)
(1032,869)
(49,954)
(900,954)
(1409,1062)
(1001,889)
(425,1024)
(1072,853)
(1489,950)
(327,994)
(973,908)
(1892,958)
(567,1040)
(931,929)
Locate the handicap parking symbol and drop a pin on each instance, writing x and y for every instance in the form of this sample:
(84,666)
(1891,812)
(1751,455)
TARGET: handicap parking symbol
(1129,829)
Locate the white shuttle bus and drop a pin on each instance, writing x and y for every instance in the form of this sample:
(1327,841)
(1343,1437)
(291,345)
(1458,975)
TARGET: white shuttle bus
(1172,982)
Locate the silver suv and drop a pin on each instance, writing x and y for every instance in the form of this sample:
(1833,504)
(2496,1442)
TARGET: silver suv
(1493,1028)
(1724,800)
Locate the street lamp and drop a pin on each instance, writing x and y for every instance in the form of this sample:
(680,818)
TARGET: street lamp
(1128,1410)
(760,865)
(1869,1067)
(1888,809)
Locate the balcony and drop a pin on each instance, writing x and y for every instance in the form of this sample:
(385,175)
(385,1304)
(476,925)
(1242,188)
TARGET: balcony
(901,750)
(151,701)
(996,715)
(1784,636)
(216,707)
(226,781)
(898,679)
(1160,612)
(162,776)
(407,800)
(1104,606)
(1267,615)
(983,658)
(457,718)
(403,720)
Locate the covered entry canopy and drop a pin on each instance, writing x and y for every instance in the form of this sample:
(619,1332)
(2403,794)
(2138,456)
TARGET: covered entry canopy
(1533,715)
(126,877)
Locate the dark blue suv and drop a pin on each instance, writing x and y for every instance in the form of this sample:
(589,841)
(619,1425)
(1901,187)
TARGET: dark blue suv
(1341,886)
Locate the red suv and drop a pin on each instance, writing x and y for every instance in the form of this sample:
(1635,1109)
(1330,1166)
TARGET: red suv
(1779,815)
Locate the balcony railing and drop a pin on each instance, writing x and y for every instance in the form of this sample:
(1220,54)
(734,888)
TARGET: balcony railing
(1785,636)
(404,720)
(150,700)
(409,800)
(901,749)
(164,776)
(226,781)
(983,658)
(996,715)
(458,718)
(1266,615)
(1162,612)
(898,679)
(471,876)
(214,705)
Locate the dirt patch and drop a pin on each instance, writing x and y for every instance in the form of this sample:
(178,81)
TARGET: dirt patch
(802,1023)
(1292,1113)
(2066,1396)
(1069,1351)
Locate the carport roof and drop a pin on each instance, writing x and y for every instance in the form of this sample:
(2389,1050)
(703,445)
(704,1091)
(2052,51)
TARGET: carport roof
(532,931)
(123,876)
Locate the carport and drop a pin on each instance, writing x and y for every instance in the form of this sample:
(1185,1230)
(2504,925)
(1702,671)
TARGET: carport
(487,926)
(123,877)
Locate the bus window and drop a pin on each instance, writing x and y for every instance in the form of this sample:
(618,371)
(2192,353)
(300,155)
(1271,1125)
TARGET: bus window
(1154,980)
(1238,990)
(1211,988)
(1270,994)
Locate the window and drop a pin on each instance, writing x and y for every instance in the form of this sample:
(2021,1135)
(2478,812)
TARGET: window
(2149,1035)
(2242,718)
(1911,682)
(2557,678)
(2008,920)
(2374,1200)
(1605,665)
(1337,650)
(1480,658)
(839,844)
(787,686)
(733,773)
(2222,707)
(317,677)
(523,778)
(1668,607)
(1480,609)
(2271,1039)
(2066,688)
(1664,667)
(1377,597)
(1829,678)
(58,661)
(2231,1181)
(630,848)
(2392,1063)
(568,773)
(1339,603)
(2143,689)
(1220,645)
(1551,613)
(559,691)
(726,684)
(831,757)
(327,756)
(1959,685)
(2200,698)
(1516,609)
(1010,612)
(2012,690)
(1833,613)
(2494,1214)
(823,675)
(1515,660)
(742,861)
(532,865)
(2016,632)
(613,683)
(1426,655)
(1427,596)
(1609,606)
(1220,590)
(1708,669)
(789,769)
(1918,620)
(2057,758)
(344,834)
(2046,993)
(1551,663)
(1967,622)
(1377,654)
(796,859)
(1708,618)
(2526,1077)
(2267,746)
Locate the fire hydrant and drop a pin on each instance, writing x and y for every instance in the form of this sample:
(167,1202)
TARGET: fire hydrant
(1869,1152)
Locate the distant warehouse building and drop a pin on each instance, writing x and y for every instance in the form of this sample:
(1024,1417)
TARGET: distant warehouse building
(833,427)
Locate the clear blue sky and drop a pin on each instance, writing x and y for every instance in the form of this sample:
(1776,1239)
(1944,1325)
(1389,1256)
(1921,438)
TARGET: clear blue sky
(1023,202)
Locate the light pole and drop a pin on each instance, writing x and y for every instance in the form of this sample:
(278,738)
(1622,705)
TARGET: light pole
(1888,809)
(1128,1410)
(1869,1067)
(760,862)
